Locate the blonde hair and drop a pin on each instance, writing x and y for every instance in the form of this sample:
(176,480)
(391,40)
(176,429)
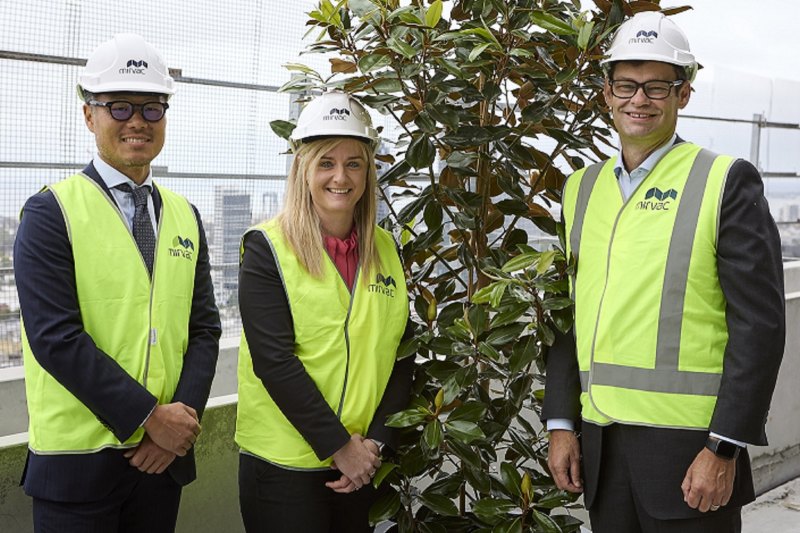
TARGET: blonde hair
(299,221)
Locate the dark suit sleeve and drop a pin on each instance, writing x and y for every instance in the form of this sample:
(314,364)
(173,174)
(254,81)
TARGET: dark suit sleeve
(45,277)
(751,277)
(200,359)
(395,397)
(269,329)
(562,389)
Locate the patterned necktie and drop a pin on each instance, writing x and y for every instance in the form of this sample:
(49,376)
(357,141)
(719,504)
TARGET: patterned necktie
(142,225)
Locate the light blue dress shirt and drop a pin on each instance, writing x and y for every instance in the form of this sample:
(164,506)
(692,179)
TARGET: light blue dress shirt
(113,177)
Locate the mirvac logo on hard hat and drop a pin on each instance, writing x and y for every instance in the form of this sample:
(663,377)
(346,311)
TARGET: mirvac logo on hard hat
(134,67)
(657,200)
(644,37)
(383,285)
(337,114)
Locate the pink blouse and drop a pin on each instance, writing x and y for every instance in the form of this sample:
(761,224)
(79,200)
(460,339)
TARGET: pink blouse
(344,253)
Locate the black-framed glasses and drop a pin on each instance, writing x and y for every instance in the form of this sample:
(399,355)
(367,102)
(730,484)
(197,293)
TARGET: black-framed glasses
(653,89)
(122,110)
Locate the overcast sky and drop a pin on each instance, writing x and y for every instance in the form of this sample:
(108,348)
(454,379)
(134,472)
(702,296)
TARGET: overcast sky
(757,36)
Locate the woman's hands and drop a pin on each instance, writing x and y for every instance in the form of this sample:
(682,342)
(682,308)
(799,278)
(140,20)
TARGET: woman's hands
(358,460)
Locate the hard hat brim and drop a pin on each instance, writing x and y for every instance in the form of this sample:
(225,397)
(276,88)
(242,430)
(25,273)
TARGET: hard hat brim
(123,87)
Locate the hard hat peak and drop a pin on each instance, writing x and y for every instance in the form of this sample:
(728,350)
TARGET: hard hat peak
(126,63)
(334,114)
(651,36)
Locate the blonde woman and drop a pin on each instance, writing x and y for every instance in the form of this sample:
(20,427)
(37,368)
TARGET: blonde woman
(324,306)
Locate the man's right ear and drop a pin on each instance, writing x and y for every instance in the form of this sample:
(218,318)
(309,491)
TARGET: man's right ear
(88,117)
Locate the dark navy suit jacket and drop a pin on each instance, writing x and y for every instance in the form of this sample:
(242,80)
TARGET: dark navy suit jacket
(45,276)
(751,276)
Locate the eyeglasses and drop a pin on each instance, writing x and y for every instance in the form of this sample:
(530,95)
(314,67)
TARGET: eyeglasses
(653,89)
(122,110)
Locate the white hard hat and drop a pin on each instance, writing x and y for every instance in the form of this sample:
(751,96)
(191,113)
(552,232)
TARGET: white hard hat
(334,114)
(125,63)
(651,36)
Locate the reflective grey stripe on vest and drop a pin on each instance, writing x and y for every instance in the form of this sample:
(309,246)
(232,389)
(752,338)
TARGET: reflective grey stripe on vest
(666,377)
(588,180)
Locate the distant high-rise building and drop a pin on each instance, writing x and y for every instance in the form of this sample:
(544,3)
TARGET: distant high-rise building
(232,217)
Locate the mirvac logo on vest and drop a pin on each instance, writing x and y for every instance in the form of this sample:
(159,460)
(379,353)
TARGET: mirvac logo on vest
(337,114)
(657,200)
(134,67)
(383,285)
(644,37)
(182,247)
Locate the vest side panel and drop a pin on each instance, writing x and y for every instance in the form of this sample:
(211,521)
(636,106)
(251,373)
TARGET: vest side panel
(262,428)
(377,323)
(173,289)
(704,328)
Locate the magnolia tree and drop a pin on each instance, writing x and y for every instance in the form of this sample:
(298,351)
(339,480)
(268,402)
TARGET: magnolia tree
(492,102)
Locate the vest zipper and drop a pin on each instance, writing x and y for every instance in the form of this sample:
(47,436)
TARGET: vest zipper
(346,331)
(152,334)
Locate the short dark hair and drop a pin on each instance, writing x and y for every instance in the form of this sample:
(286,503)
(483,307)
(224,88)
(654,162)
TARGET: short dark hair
(680,72)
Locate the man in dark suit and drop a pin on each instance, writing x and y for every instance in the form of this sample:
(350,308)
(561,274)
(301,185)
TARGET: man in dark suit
(669,370)
(120,328)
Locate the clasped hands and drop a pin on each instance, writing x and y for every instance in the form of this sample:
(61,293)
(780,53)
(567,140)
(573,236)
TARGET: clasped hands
(170,431)
(358,460)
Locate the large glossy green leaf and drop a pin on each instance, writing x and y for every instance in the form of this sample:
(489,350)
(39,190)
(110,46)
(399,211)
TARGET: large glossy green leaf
(409,417)
(505,334)
(421,152)
(523,353)
(463,430)
(434,14)
(433,435)
(438,503)
(493,510)
(521,261)
(374,61)
(444,114)
(469,412)
(282,128)
(509,526)
(385,507)
(545,523)
(402,48)
(551,23)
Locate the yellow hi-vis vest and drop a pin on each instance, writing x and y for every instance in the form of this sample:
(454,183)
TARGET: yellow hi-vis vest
(143,326)
(649,311)
(346,342)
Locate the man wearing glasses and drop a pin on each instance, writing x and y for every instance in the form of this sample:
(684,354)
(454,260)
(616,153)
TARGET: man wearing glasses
(668,373)
(120,328)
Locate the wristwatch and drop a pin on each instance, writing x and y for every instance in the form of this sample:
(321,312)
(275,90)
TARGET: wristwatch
(381,446)
(723,448)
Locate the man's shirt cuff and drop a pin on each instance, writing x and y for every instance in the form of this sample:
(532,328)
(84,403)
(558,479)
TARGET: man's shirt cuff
(560,423)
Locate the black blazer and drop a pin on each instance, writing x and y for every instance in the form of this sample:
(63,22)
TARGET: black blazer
(45,276)
(751,277)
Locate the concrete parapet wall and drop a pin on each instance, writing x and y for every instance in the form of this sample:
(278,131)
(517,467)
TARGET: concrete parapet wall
(779,462)
(210,504)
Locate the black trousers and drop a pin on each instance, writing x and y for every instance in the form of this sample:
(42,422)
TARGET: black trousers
(617,509)
(277,500)
(138,503)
